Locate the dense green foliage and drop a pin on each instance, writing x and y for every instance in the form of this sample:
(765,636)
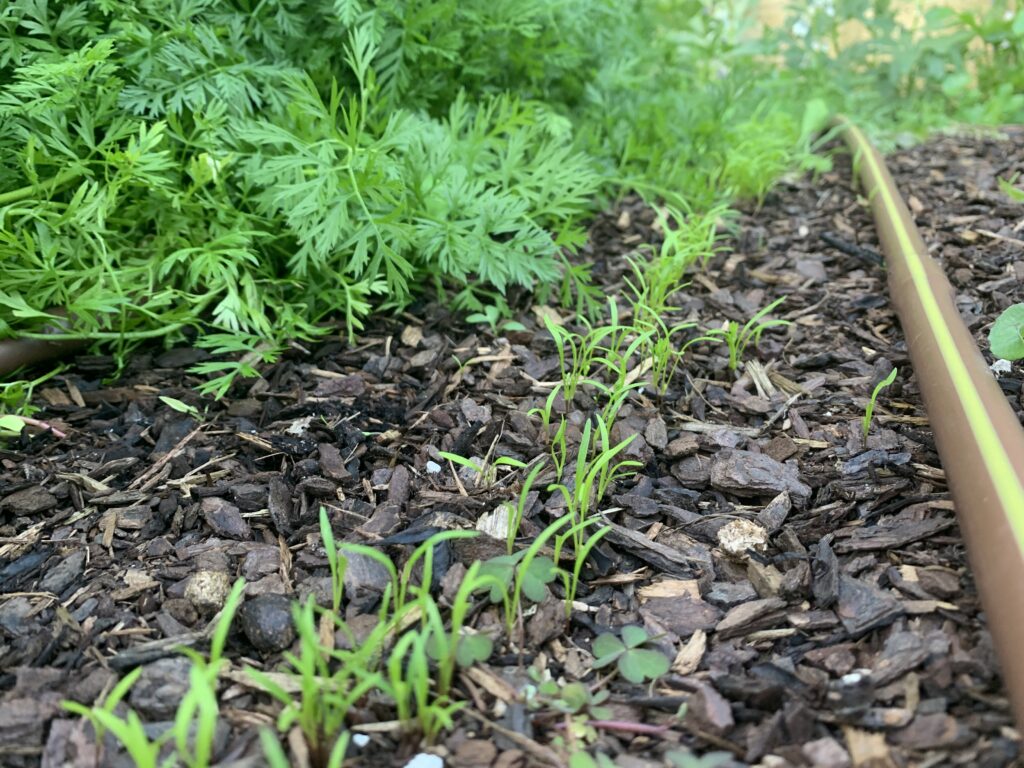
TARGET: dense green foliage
(251,169)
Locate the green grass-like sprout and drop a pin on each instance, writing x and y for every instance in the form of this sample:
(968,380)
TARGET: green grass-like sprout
(869,410)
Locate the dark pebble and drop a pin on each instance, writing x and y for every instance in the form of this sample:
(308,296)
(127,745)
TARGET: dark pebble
(267,622)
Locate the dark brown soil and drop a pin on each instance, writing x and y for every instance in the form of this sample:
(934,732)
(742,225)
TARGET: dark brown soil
(854,637)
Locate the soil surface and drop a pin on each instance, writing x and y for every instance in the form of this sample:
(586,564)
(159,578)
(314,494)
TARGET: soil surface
(811,588)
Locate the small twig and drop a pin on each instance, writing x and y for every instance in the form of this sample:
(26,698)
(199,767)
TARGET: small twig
(784,408)
(543,754)
(458,480)
(627,726)
(142,479)
(714,740)
(852,249)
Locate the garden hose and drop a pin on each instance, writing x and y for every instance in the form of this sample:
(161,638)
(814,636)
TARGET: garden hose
(978,436)
(24,353)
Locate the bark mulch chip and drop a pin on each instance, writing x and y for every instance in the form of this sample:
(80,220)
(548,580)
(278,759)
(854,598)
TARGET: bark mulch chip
(810,585)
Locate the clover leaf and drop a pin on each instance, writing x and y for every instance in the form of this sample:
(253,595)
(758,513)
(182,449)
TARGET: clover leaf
(635,662)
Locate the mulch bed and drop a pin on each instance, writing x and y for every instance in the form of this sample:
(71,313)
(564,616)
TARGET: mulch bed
(852,636)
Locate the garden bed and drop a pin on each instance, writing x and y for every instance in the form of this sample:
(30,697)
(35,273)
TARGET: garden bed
(854,636)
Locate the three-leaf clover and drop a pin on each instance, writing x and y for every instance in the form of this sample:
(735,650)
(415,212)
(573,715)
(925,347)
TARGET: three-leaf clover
(469,650)
(636,663)
(538,573)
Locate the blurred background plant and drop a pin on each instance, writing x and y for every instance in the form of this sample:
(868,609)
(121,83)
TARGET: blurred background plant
(248,173)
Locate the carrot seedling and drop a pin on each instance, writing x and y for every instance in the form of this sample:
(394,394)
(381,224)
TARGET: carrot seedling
(737,339)
(869,411)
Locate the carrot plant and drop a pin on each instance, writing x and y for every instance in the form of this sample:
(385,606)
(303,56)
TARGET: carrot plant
(243,174)
(597,466)
(190,739)
(737,338)
(869,410)
(249,171)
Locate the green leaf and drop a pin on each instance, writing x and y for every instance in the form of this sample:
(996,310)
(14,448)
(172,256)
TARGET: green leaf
(540,572)
(272,749)
(1007,187)
(473,649)
(956,84)
(633,636)
(179,406)
(1006,337)
(574,697)
(581,759)
(1017,27)
(816,114)
(606,649)
(639,664)
(11,425)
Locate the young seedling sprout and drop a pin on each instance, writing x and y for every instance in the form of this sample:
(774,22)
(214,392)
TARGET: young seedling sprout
(738,338)
(870,409)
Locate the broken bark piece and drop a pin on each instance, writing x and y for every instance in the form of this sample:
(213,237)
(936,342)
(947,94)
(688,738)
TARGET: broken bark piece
(837,659)
(279,505)
(682,446)
(160,688)
(666,559)
(903,652)
(23,721)
(398,487)
(931,731)
(225,518)
(813,621)
(331,463)
(692,472)
(656,434)
(764,737)
(709,708)
(748,617)
(745,473)
(688,659)
(826,753)
(825,575)
(29,501)
(766,579)
(892,534)
(726,594)
(683,615)
(547,622)
(868,750)
(774,514)
(863,607)
(939,582)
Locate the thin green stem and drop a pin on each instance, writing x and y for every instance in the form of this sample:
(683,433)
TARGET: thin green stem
(16,195)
